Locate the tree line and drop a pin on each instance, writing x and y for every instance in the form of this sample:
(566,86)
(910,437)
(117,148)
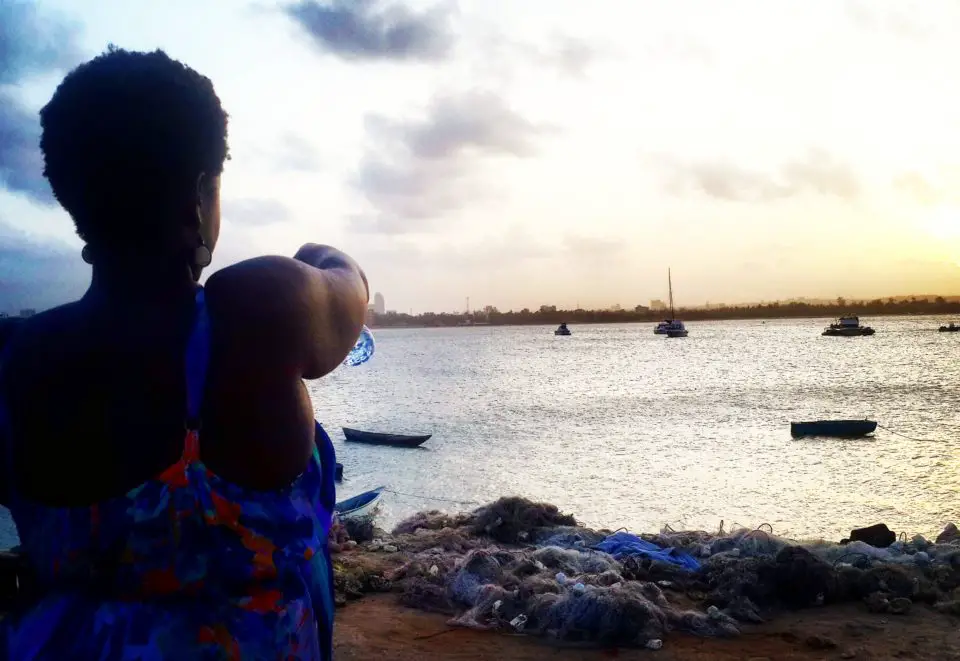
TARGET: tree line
(550,314)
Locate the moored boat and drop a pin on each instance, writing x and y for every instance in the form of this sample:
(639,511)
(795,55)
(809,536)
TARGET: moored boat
(847,327)
(833,428)
(375,438)
(671,327)
(360,505)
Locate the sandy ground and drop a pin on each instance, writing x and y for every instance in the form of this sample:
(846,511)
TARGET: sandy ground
(378,627)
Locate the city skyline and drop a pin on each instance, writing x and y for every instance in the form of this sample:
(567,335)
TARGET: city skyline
(521,153)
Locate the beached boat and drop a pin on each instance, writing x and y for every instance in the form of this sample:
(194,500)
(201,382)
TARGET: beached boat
(833,428)
(847,327)
(671,327)
(562,330)
(375,438)
(360,505)
(952,328)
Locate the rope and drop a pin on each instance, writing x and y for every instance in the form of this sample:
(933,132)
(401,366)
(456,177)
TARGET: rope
(443,500)
(909,438)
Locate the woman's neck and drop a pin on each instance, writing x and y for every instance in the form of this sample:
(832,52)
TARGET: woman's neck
(148,281)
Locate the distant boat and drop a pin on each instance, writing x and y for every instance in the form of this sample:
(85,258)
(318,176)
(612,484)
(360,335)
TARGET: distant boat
(671,327)
(374,438)
(562,330)
(952,328)
(360,505)
(847,327)
(833,428)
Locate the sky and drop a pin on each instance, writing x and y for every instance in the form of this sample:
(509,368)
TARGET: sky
(538,152)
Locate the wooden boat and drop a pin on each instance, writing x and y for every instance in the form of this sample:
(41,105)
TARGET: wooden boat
(833,428)
(952,328)
(360,505)
(374,438)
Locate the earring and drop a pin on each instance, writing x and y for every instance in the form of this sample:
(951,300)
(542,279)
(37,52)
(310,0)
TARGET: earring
(202,255)
(87,254)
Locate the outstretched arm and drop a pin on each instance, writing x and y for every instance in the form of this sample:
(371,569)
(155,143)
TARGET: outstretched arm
(303,315)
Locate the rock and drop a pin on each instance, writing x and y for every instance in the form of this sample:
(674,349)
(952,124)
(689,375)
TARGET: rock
(350,544)
(879,536)
(390,548)
(949,535)
(816,642)
(654,644)
(800,577)
(900,606)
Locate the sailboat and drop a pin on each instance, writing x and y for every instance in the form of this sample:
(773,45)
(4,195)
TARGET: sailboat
(671,327)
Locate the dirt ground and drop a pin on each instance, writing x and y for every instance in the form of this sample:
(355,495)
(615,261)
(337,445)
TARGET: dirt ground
(377,627)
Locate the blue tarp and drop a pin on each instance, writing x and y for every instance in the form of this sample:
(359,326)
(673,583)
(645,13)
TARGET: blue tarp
(623,545)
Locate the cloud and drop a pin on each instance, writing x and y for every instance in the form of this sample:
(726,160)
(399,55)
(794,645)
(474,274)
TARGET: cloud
(896,19)
(917,187)
(593,248)
(569,56)
(32,44)
(417,170)
(29,45)
(816,172)
(255,212)
(360,30)
(297,154)
(21,164)
(37,273)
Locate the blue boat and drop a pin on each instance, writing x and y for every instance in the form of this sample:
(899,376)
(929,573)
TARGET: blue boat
(833,428)
(360,505)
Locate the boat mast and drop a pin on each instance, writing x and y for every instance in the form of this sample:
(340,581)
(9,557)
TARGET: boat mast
(670,285)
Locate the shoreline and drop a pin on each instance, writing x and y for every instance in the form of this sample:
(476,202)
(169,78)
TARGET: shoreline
(688,316)
(520,578)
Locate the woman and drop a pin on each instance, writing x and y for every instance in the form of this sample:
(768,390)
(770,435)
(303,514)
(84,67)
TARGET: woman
(171,490)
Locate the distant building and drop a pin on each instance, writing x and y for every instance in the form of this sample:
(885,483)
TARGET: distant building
(27,312)
(379,305)
(657,304)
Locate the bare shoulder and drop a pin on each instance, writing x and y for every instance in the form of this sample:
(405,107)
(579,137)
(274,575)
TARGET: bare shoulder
(39,338)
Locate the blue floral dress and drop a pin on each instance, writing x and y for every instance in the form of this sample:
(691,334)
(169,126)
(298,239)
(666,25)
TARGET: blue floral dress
(185,566)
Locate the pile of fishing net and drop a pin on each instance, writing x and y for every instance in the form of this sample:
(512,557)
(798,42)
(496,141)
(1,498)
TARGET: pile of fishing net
(522,566)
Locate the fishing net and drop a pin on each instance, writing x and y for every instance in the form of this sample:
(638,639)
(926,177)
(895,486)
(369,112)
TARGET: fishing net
(521,566)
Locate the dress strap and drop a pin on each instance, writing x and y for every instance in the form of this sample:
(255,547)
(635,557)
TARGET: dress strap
(198,359)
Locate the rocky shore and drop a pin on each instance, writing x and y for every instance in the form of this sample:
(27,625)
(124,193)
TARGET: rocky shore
(526,569)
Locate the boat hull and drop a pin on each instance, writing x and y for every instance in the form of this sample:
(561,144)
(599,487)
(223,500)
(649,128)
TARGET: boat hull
(360,505)
(374,438)
(948,329)
(678,333)
(849,332)
(564,333)
(833,428)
